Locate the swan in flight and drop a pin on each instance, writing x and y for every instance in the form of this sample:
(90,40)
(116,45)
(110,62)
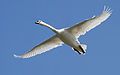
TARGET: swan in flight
(67,36)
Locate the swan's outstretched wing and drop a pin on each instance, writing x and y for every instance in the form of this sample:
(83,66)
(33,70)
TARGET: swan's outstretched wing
(85,26)
(51,43)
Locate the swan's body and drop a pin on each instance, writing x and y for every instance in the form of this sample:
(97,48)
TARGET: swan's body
(68,36)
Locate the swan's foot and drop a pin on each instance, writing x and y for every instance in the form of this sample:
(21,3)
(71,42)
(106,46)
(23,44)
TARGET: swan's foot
(83,51)
(77,51)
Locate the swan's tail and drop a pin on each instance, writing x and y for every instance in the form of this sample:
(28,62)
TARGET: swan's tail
(84,47)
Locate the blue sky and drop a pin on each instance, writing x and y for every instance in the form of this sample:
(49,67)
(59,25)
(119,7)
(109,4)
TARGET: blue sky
(18,34)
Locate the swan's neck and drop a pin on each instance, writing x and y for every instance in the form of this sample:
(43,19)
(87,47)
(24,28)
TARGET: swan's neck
(51,27)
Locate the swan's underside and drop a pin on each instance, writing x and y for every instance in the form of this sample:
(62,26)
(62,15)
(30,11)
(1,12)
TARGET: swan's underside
(76,30)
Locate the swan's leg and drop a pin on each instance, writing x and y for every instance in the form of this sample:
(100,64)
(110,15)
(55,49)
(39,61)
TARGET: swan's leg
(77,51)
(83,51)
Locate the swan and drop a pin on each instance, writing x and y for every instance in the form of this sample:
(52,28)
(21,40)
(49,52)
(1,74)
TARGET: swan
(68,36)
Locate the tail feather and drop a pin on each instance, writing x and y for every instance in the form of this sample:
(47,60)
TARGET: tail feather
(84,47)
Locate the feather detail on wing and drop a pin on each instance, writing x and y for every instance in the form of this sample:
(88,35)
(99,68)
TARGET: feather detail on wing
(51,43)
(85,26)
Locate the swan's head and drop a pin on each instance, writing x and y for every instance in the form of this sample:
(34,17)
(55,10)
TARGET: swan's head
(41,23)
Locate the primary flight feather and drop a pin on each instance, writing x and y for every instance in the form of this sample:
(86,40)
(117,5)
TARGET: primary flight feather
(68,36)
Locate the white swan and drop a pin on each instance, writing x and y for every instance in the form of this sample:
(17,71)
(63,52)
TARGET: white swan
(68,36)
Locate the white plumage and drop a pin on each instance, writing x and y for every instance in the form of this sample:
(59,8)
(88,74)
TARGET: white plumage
(83,27)
(68,36)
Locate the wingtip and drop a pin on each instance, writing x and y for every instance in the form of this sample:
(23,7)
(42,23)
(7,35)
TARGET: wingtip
(16,56)
(107,9)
